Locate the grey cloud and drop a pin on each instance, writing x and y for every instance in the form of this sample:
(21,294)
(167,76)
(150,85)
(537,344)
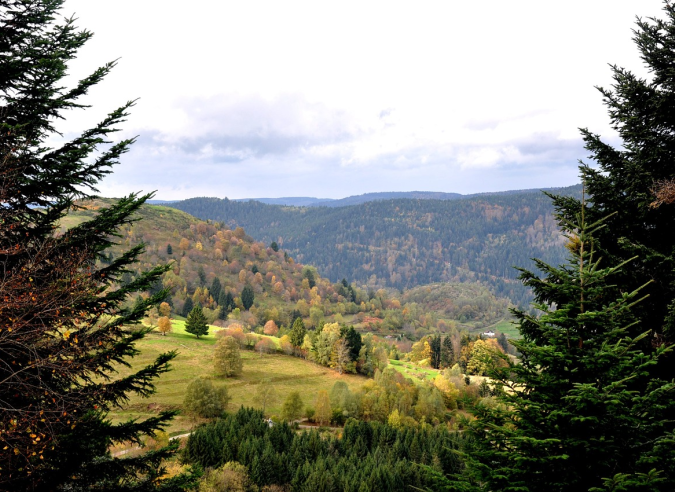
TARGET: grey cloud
(235,129)
(550,145)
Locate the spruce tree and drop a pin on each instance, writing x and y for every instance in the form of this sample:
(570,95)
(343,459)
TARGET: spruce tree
(580,409)
(447,353)
(224,306)
(229,302)
(298,332)
(196,322)
(215,289)
(247,297)
(435,345)
(187,307)
(353,339)
(621,180)
(62,324)
(201,274)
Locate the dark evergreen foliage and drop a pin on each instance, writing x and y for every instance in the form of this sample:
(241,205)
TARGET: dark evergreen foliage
(62,333)
(196,322)
(226,302)
(368,456)
(247,297)
(621,180)
(216,288)
(298,331)
(308,273)
(346,290)
(435,345)
(354,341)
(447,353)
(202,276)
(169,249)
(581,410)
(187,307)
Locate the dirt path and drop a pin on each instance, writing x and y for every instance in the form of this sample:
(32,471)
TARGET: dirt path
(128,450)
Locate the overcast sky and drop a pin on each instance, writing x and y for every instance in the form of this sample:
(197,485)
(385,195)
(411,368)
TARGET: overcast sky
(331,99)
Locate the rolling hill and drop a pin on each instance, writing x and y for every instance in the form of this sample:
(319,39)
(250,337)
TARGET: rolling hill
(205,253)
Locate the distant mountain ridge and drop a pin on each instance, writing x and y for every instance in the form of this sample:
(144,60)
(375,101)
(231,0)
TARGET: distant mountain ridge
(306,201)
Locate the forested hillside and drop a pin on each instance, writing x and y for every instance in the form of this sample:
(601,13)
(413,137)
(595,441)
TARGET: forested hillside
(213,264)
(404,243)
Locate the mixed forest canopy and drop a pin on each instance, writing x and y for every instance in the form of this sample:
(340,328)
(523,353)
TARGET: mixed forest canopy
(218,268)
(405,243)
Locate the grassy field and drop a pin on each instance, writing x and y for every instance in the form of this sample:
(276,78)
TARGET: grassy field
(419,374)
(195,360)
(507,328)
(414,372)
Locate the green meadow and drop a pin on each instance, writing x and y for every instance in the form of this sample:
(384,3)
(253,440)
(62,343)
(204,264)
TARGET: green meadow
(195,359)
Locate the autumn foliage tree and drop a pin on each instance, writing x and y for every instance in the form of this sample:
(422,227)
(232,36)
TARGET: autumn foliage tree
(62,334)
(164,325)
(270,328)
(322,408)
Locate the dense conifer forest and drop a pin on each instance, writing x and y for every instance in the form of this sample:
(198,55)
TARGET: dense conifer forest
(367,456)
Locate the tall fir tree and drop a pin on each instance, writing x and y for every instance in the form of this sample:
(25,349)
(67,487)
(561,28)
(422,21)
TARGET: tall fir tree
(621,180)
(435,345)
(447,353)
(224,306)
(215,289)
(247,297)
(228,302)
(354,341)
(580,408)
(196,322)
(62,333)
(298,332)
(187,307)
